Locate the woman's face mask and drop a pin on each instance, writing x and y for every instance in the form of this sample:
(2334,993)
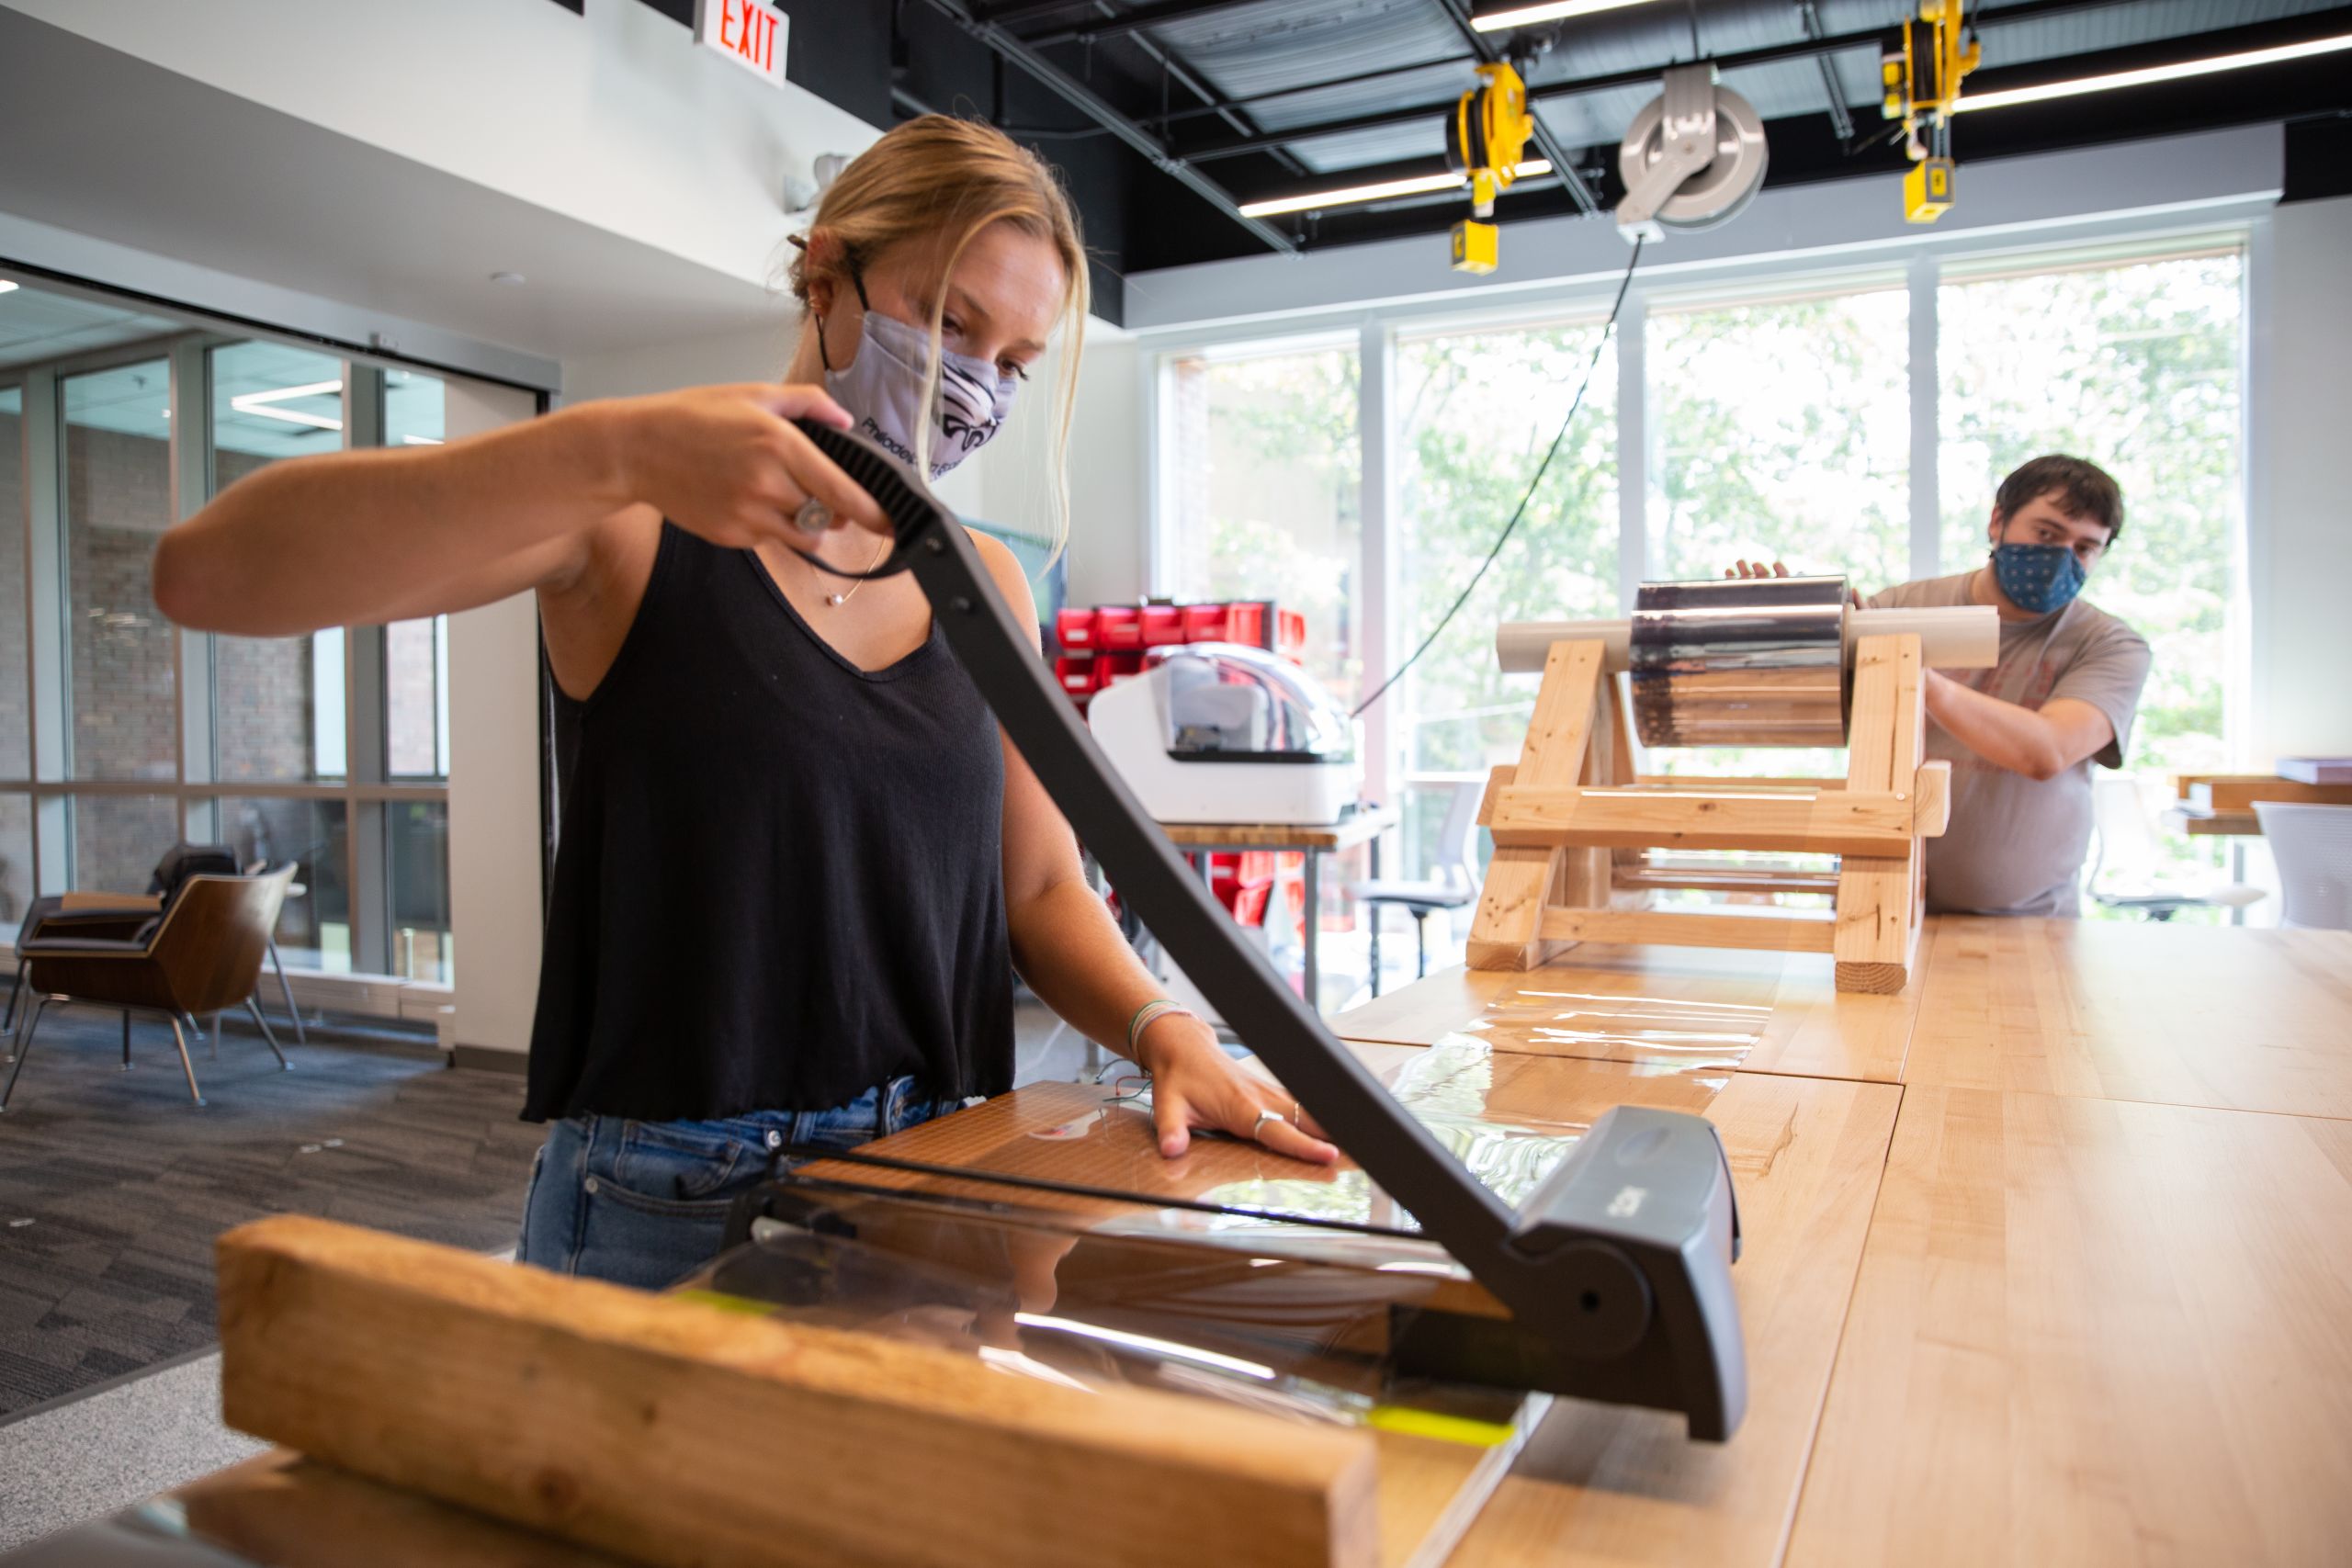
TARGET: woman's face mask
(882,389)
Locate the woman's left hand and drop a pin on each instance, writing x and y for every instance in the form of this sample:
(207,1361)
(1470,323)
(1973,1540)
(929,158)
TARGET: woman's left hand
(1195,1084)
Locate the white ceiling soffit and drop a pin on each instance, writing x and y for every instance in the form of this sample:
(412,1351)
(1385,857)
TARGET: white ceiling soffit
(112,147)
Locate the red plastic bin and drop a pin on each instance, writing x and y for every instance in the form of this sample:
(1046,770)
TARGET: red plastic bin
(1077,676)
(1162,625)
(1291,637)
(1205,623)
(1074,631)
(1113,668)
(1118,628)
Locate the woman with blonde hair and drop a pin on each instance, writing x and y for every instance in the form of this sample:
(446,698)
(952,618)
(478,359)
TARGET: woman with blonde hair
(799,864)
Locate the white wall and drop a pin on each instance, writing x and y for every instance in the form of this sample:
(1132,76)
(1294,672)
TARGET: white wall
(2300,491)
(1108,463)
(495,913)
(616,118)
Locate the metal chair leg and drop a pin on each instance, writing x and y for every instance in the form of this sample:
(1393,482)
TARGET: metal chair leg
(287,990)
(186,1066)
(212,1039)
(125,1040)
(1421,944)
(262,1024)
(1372,914)
(9,1018)
(25,1026)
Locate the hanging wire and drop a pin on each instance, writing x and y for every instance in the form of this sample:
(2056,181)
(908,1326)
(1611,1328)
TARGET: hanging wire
(1608,327)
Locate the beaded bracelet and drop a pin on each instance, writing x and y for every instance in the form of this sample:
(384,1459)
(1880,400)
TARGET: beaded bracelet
(1147,1014)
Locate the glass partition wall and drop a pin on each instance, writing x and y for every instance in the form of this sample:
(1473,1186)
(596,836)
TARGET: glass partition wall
(121,734)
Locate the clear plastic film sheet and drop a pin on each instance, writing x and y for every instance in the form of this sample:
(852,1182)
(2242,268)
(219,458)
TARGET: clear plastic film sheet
(1353,1339)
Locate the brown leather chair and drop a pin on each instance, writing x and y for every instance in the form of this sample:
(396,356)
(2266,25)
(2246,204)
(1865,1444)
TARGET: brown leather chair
(201,955)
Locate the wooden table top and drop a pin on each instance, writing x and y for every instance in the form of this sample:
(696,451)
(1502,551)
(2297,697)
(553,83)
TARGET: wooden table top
(1763,1012)
(2079,1289)
(2089,1331)
(2235,1018)
(1367,824)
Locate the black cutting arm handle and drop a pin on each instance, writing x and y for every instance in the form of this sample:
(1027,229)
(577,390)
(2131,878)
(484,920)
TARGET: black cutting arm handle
(1452,1206)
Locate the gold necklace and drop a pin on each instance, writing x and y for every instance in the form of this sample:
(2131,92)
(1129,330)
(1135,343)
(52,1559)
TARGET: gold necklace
(843,597)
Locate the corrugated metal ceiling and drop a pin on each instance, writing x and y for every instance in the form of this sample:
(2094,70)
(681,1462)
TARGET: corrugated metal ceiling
(1276,45)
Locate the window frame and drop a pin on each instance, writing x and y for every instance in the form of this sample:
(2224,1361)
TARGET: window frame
(365,792)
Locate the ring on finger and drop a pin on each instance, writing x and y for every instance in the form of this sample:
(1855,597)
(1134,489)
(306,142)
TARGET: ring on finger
(814,516)
(1264,1117)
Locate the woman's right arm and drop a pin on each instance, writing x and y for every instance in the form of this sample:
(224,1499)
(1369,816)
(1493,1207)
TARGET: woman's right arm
(357,539)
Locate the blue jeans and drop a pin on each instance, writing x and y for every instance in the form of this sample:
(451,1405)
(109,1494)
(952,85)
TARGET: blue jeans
(645,1203)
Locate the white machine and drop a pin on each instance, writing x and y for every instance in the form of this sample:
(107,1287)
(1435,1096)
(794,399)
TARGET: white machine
(1223,732)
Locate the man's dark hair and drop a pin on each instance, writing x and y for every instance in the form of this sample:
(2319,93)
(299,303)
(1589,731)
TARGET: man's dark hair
(2077,488)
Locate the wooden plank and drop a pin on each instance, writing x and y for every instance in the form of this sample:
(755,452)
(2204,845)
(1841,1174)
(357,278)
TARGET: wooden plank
(279,1507)
(2224,824)
(1878,909)
(1726,877)
(1520,881)
(2247,1019)
(619,1419)
(1839,822)
(1933,803)
(1793,932)
(1622,1487)
(1688,780)
(2238,792)
(1366,824)
(1762,1012)
(2090,1331)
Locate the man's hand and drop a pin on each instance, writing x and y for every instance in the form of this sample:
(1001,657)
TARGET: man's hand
(1195,1084)
(1748,568)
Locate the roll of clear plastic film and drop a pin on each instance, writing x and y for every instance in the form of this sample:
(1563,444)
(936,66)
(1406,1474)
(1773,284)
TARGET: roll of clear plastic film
(1755,661)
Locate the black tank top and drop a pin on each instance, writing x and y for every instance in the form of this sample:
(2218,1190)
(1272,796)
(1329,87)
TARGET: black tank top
(779,878)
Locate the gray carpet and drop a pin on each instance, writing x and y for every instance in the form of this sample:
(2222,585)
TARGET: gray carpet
(113,1185)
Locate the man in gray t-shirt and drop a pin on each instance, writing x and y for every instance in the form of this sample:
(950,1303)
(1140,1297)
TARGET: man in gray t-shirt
(2021,737)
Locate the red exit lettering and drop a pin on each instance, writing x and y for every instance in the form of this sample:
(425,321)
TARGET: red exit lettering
(749,31)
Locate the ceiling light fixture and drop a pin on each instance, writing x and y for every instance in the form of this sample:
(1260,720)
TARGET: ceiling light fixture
(6,287)
(1554,11)
(420,441)
(260,404)
(1419,185)
(2004,97)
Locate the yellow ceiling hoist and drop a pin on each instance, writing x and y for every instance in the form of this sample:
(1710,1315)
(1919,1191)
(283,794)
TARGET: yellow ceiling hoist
(1483,139)
(1920,75)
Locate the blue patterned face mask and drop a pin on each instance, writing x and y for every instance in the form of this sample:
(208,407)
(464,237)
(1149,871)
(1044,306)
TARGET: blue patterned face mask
(2038,579)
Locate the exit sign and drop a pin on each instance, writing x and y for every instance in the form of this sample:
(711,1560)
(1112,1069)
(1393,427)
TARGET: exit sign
(746,31)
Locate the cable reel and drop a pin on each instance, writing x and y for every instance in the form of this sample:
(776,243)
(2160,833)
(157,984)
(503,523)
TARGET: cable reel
(1693,157)
(1484,137)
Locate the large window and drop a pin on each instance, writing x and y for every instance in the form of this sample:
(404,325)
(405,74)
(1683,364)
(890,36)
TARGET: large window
(2136,368)
(1775,424)
(328,752)
(1477,412)
(1783,432)
(1266,497)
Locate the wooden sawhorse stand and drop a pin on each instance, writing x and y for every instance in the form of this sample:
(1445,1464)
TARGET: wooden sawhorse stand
(1572,821)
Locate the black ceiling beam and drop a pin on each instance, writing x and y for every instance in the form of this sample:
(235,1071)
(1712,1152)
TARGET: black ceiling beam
(1083,98)
(1174,66)
(1103,27)
(1841,119)
(1253,100)
(1562,168)
(1771,54)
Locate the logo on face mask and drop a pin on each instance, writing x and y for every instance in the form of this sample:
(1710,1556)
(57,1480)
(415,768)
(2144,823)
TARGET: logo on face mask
(2038,579)
(882,386)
